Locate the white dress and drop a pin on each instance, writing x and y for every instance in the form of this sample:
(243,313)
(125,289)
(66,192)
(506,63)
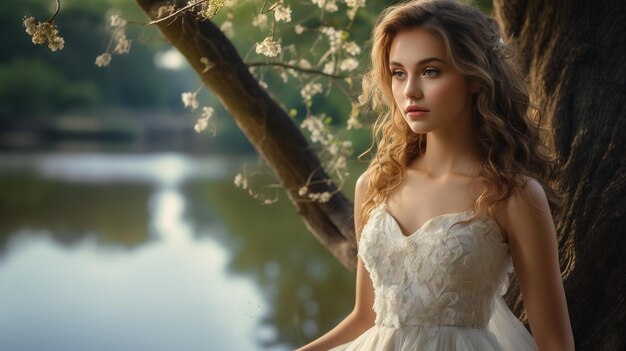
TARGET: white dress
(436,290)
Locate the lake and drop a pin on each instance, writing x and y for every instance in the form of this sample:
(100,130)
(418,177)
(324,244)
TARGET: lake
(105,251)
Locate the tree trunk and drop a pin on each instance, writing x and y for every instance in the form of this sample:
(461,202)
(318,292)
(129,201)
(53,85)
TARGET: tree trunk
(274,135)
(572,53)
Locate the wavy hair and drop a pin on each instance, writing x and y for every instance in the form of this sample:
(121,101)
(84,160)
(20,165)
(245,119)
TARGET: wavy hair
(507,130)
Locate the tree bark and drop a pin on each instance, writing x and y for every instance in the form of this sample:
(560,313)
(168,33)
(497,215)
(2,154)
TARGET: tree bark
(270,130)
(572,53)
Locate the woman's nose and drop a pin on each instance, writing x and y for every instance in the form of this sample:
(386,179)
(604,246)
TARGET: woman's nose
(413,90)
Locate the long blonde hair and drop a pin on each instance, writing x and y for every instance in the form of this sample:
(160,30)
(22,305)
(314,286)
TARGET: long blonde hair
(508,135)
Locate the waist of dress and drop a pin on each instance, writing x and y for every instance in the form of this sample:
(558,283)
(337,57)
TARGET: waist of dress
(432,326)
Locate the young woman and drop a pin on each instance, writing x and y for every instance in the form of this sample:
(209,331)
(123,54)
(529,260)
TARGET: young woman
(455,197)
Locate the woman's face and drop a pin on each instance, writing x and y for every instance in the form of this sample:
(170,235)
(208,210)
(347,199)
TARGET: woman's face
(422,75)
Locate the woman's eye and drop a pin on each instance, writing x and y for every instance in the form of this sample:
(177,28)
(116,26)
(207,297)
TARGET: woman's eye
(429,72)
(433,72)
(397,74)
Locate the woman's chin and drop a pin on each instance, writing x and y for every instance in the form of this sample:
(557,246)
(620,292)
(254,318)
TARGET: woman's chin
(418,128)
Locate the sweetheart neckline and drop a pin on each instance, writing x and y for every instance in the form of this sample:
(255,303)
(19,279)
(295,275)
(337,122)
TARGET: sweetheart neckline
(397,225)
(383,206)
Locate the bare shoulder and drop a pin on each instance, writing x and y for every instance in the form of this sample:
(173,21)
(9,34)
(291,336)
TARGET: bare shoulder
(361,185)
(531,198)
(526,210)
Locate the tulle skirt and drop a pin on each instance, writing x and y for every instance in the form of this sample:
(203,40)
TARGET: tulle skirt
(504,332)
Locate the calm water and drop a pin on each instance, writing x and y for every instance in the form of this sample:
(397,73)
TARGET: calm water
(156,252)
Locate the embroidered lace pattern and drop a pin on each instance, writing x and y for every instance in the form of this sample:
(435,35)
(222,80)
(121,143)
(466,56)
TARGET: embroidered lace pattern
(432,277)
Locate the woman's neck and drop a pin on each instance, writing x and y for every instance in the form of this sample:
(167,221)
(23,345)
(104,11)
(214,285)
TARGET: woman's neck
(450,151)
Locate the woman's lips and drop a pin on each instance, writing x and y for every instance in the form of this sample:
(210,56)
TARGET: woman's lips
(416,114)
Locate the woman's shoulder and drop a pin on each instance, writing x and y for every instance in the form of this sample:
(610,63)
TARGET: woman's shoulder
(523,195)
(530,192)
(361,182)
(525,202)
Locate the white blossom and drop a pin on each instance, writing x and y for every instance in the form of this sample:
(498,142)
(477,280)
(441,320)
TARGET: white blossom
(201,125)
(207,112)
(56,43)
(268,47)
(313,124)
(42,32)
(117,21)
(203,122)
(319,3)
(310,90)
(320,197)
(241,181)
(303,190)
(327,5)
(337,148)
(334,37)
(333,149)
(325,196)
(303,63)
(319,133)
(329,67)
(293,72)
(331,6)
(355,3)
(189,99)
(348,64)
(351,13)
(340,163)
(353,7)
(227,28)
(103,60)
(123,44)
(282,13)
(353,122)
(31,24)
(260,20)
(351,48)
(207,64)
(299,29)
(209,8)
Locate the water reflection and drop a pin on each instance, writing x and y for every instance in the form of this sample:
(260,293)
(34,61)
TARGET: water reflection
(159,252)
(162,297)
(170,292)
(309,290)
(165,169)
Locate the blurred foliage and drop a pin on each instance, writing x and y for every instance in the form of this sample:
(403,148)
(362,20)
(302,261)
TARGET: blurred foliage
(35,82)
(32,85)
(46,82)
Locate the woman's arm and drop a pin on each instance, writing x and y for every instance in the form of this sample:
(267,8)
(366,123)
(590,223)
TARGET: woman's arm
(362,317)
(534,251)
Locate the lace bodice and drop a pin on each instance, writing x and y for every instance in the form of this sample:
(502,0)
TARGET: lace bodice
(432,277)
